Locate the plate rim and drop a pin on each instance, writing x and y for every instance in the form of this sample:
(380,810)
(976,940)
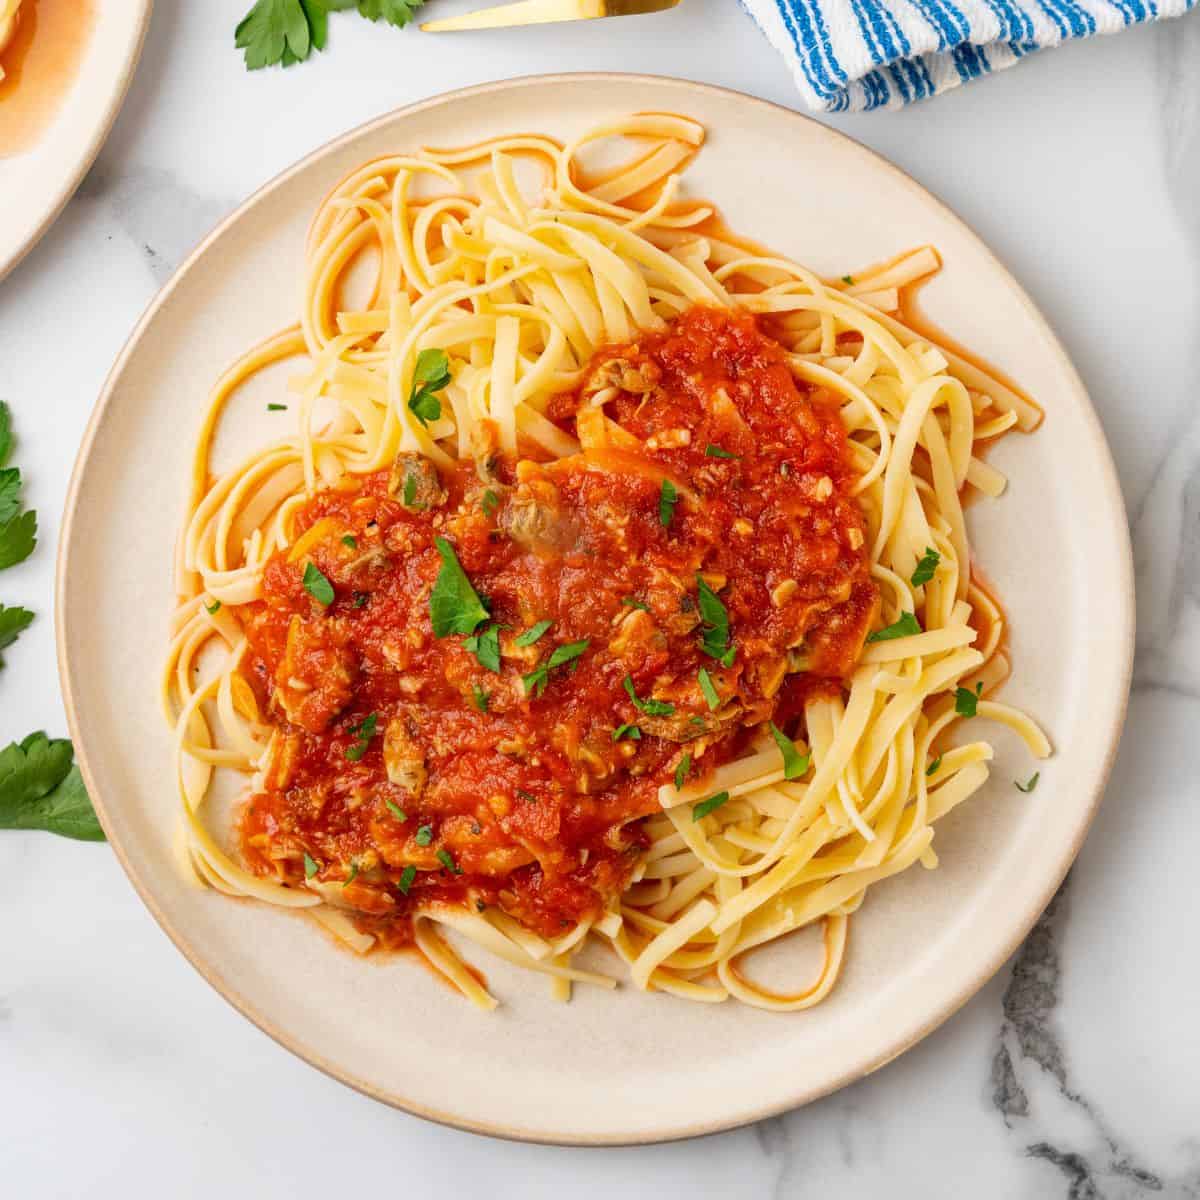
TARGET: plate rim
(69,184)
(939,1014)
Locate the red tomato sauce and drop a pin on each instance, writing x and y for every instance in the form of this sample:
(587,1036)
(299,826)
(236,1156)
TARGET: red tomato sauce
(499,791)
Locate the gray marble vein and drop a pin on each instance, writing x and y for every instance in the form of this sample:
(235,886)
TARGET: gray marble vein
(162,217)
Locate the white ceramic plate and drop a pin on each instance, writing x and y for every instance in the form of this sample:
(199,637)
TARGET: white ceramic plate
(627,1066)
(37,183)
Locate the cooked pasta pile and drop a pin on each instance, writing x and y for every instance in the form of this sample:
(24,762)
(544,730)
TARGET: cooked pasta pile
(520,264)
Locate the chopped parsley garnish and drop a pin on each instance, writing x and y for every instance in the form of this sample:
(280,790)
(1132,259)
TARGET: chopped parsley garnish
(481,697)
(535,681)
(631,602)
(213,608)
(906,626)
(361,598)
(454,605)
(651,707)
(317,586)
(364,732)
(528,797)
(532,634)
(396,811)
(353,873)
(932,769)
(707,687)
(668,497)
(710,805)
(430,375)
(350,540)
(966,701)
(410,490)
(1028,786)
(485,645)
(490,503)
(276,408)
(715,639)
(847,278)
(711,451)
(629,731)
(927,567)
(424,835)
(310,866)
(795,764)
(682,770)
(406,879)
(447,861)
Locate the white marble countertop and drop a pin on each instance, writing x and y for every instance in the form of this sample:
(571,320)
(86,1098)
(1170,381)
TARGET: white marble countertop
(1074,1073)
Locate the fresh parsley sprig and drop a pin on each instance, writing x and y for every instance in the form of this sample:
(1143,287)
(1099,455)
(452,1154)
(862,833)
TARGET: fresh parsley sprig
(12,622)
(651,707)
(285,32)
(18,530)
(41,788)
(905,626)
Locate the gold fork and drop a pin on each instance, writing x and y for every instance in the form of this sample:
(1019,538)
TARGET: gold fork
(539,12)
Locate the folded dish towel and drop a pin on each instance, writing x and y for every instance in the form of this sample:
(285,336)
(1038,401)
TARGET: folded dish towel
(848,55)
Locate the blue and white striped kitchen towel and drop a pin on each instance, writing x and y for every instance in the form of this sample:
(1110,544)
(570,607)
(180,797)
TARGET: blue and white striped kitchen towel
(851,55)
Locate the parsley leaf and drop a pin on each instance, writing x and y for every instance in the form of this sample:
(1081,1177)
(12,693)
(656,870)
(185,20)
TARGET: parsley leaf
(396,811)
(364,732)
(681,771)
(906,626)
(481,697)
(310,866)
(350,540)
(847,278)
(651,707)
(276,408)
(715,640)
(424,835)
(10,493)
(454,605)
(967,701)
(535,681)
(932,769)
(430,375)
(711,696)
(213,608)
(532,634)
(711,451)
(668,497)
(1028,786)
(927,567)
(489,503)
(630,602)
(630,731)
(17,539)
(6,438)
(353,873)
(710,805)
(795,764)
(485,645)
(317,585)
(447,861)
(406,879)
(40,788)
(281,31)
(13,621)
(394,12)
